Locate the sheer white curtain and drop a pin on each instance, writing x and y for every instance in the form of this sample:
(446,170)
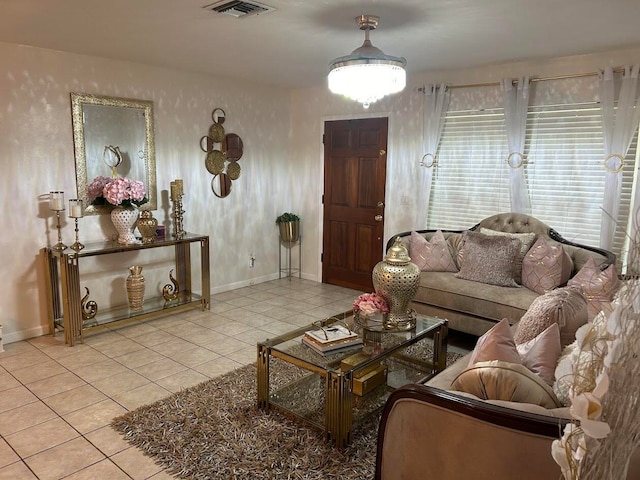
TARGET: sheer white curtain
(436,102)
(516,103)
(619,125)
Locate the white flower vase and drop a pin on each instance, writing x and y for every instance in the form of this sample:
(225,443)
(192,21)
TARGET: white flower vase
(124,220)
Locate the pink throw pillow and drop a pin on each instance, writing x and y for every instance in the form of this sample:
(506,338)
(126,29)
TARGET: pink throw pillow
(496,344)
(546,266)
(541,354)
(598,286)
(431,256)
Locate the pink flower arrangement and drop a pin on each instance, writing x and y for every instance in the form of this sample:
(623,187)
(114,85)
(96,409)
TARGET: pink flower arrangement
(119,191)
(370,303)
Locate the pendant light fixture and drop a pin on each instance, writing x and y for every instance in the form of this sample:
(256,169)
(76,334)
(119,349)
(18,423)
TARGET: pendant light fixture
(368,74)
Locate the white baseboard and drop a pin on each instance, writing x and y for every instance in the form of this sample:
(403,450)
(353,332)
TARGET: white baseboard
(24,334)
(255,281)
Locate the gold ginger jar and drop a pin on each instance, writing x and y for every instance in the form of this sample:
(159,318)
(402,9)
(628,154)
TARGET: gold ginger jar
(396,279)
(147,226)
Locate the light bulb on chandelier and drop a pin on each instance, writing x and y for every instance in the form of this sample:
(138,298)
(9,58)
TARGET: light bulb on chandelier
(367,74)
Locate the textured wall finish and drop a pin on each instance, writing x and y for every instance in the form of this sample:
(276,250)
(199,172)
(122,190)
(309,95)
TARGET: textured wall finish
(36,156)
(282,165)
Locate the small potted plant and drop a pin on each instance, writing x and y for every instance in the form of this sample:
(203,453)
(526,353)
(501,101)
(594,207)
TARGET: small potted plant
(289,225)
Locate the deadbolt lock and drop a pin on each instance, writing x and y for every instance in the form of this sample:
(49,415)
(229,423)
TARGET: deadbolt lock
(382,151)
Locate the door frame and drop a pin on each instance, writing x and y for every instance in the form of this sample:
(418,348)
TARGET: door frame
(357,116)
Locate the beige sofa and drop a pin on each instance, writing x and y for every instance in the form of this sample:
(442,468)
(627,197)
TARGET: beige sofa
(475,307)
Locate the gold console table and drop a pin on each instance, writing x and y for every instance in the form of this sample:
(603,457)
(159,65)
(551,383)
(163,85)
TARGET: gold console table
(64,298)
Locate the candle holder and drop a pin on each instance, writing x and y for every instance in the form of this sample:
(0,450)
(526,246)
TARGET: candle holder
(56,203)
(177,191)
(75,212)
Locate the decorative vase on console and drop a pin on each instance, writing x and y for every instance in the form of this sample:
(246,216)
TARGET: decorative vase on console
(126,196)
(135,287)
(396,279)
(124,219)
(147,226)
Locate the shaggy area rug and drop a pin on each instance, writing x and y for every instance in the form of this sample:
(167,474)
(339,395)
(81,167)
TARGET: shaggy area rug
(214,430)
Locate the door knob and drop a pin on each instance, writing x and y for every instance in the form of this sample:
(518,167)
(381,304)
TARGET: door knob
(378,218)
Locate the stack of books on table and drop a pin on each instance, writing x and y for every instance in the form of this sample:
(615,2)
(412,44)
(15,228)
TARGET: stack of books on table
(330,340)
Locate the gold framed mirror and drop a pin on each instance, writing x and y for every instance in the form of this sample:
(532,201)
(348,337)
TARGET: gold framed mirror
(103,125)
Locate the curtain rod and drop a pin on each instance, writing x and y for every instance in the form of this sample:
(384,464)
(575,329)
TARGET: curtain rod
(540,79)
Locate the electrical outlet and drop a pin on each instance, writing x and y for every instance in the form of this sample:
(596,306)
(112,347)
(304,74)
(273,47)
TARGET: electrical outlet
(252,260)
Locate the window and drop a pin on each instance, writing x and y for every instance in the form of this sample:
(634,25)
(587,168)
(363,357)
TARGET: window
(471,180)
(565,176)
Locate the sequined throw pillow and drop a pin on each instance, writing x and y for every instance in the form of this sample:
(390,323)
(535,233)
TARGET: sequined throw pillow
(489,259)
(526,240)
(431,256)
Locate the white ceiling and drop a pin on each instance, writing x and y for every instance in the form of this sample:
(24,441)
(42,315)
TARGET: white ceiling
(292,46)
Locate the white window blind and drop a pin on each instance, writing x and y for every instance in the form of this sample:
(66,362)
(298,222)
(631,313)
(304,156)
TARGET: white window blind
(470,181)
(564,150)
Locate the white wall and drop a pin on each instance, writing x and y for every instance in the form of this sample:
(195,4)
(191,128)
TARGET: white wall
(37,156)
(311,107)
(282,164)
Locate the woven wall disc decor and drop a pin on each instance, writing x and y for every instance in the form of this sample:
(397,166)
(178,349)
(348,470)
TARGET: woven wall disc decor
(214,162)
(223,152)
(233,170)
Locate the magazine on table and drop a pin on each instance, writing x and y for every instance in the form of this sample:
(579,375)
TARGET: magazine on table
(332,334)
(335,347)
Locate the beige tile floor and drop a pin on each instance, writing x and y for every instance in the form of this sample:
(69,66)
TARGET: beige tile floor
(56,402)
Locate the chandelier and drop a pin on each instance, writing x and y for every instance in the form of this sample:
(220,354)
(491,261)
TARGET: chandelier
(367,74)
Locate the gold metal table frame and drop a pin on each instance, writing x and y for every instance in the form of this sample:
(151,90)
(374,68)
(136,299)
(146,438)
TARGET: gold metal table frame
(64,299)
(338,384)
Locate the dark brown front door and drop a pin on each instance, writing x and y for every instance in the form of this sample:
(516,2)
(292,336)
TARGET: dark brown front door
(355,164)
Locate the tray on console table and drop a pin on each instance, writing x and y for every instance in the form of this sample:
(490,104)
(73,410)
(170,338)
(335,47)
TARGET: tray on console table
(64,295)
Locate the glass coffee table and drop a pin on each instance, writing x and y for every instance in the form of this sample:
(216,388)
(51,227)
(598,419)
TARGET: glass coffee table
(337,390)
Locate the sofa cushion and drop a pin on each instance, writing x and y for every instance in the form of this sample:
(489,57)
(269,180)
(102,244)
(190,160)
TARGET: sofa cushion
(546,266)
(488,259)
(599,286)
(496,344)
(526,240)
(565,306)
(444,290)
(541,354)
(496,380)
(433,255)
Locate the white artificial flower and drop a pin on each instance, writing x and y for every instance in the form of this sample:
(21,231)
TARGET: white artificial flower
(587,408)
(559,454)
(614,349)
(582,334)
(614,321)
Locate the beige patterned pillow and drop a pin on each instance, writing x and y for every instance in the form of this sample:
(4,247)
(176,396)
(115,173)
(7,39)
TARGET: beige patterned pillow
(565,306)
(546,266)
(526,240)
(489,259)
(431,256)
(599,286)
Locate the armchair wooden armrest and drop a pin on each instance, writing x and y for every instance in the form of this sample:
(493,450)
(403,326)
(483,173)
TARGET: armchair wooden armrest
(428,433)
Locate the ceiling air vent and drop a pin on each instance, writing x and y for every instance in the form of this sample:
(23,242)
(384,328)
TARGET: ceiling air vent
(239,9)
